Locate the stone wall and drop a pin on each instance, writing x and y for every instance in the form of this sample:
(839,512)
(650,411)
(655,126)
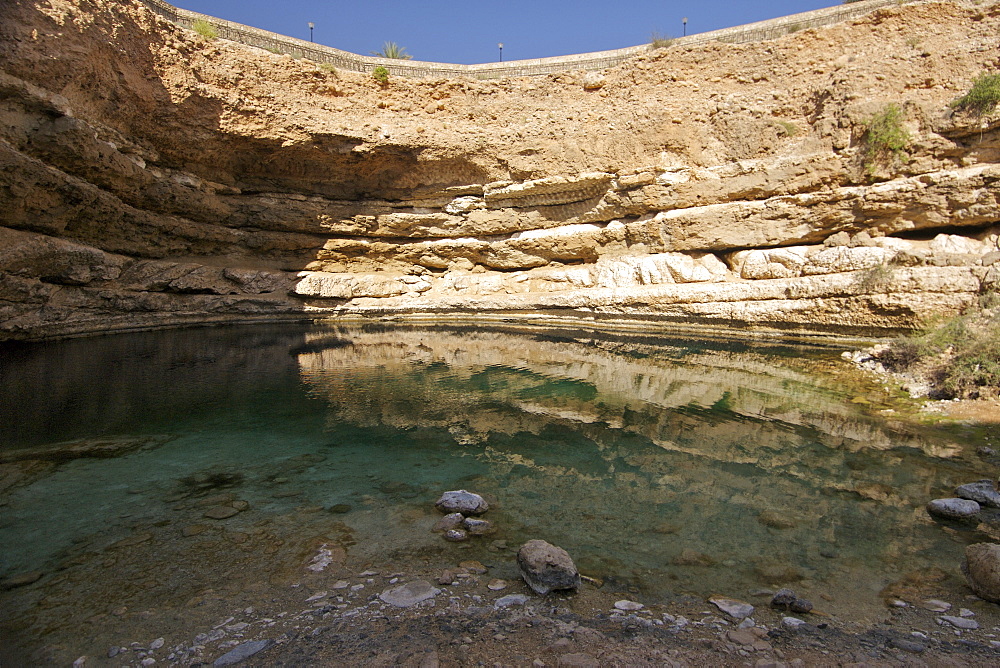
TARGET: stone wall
(297,48)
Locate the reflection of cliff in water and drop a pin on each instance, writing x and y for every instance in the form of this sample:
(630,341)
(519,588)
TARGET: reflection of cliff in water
(675,455)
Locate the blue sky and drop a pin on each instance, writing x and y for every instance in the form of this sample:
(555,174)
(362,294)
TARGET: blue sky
(468,32)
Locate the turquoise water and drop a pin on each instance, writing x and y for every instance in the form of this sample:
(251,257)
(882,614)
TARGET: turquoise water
(663,466)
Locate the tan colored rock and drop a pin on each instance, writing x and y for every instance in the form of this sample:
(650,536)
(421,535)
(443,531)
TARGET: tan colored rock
(982,570)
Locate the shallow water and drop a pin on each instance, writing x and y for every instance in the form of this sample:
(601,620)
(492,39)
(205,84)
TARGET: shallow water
(663,466)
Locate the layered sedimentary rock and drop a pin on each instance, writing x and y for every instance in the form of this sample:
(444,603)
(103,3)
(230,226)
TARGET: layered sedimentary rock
(151,177)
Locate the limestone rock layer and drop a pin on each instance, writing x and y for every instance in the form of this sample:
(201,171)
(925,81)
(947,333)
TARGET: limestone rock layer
(151,177)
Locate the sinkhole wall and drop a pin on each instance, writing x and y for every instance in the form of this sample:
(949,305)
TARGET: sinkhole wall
(151,177)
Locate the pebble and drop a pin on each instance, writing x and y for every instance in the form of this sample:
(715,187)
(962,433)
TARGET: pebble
(456,535)
(960,622)
(340,584)
(473,567)
(628,606)
(157,644)
(316,597)
(934,605)
(509,600)
(792,623)
(497,585)
(148,661)
(79,662)
(965,612)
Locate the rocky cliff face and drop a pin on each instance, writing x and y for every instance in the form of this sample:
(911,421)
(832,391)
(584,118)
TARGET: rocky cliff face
(151,177)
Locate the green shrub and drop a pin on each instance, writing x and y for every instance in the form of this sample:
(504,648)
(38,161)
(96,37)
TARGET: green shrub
(381,75)
(788,129)
(876,278)
(983,97)
(975,366)
(885,139)
(329,69)
(205,29)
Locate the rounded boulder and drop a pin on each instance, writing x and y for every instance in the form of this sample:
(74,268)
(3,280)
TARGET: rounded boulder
(462,501)
(953,509)
(546,567)
(982,570)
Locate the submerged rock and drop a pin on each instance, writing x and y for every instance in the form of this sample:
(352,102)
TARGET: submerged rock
(477,527)
(462,501)
(953,509)
(456,535)
(982,570)
(546,567)
(449,521)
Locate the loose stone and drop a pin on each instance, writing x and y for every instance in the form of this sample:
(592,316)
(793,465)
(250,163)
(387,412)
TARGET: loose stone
(953,509)
(783,598)
(732,607)
(449,521)
(157,644)
(473,567)
(792,623)
(241,652)
(982,570)
(801,605)
(628,606)
(934,605)
(477,527)
(409,594)
(983,492)
(960,622)
(497,585)
(462,501)
(509,600)
(546,567)
(456,535)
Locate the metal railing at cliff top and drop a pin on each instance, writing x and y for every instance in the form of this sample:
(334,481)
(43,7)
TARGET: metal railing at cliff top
(345,60)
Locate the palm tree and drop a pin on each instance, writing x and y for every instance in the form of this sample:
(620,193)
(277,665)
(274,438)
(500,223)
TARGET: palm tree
(393,50)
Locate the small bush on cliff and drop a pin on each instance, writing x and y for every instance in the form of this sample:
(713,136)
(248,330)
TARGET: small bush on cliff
(885,139)
(205,29)
(381,75)
(959,356)
(660,41)
(982,98)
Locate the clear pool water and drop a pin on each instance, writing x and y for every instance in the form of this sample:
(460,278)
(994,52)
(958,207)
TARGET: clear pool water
(663,466)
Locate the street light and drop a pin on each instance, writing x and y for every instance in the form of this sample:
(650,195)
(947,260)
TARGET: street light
(685,22)
(313,25)
(500,46)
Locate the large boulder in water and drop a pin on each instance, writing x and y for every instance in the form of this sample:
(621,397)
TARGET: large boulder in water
(461,501)
(982,570)
(546,567)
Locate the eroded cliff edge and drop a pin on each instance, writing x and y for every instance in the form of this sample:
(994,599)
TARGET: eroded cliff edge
(151,177)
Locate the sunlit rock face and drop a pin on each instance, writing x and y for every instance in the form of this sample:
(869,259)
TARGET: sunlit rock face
(150,177)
